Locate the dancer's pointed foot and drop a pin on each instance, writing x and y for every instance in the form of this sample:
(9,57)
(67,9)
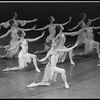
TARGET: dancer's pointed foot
(31,85)
(66,85)
(36,52)
(7,69)
(98,55)
(98,65)
(72,63)
(38,70)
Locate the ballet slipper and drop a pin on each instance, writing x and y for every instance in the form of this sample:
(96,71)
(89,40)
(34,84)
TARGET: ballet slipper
(66,85)
(72,63)
(38,70)
(98,64)
(99,56)
(7,69)
(31,85)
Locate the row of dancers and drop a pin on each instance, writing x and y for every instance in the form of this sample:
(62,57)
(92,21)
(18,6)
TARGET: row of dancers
(54,46)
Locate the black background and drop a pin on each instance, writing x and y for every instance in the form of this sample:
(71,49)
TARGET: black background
(42,10)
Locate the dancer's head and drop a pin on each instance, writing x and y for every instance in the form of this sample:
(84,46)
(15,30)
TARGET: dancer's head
(51,18)
(87,21)
(82,16)
(15,15)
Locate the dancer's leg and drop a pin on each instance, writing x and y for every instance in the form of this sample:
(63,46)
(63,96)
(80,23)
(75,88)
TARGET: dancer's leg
(38,84)
(20,67)
(35,62)
(96,45)
(71,57)
(63,75)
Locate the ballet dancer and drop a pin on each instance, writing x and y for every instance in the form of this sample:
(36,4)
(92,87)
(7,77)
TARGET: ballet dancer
(52,32)
(14,31)
(89,41)
(61,39)
(24,57)
(51,68)
(85,35)
(17,23)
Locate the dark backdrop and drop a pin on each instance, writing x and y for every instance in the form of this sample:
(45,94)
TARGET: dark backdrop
(61,12)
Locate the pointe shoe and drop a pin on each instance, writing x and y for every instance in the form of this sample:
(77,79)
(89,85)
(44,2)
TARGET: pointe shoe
(66,85)
(36,51)
(72,63)
(38,70)
(98,64)
(7,69)
(99,56)
(31,85)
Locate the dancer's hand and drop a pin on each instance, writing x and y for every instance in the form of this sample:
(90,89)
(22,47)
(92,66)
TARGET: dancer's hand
(38,60)
(35,19)
(43,33)
(34,26)
(70,18)
(1,46)
(69,29)
(98,32)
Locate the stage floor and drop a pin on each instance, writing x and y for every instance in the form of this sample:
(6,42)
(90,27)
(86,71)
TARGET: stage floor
(83,79)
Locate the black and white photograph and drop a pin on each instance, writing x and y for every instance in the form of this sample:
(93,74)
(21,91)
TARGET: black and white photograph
(49,49)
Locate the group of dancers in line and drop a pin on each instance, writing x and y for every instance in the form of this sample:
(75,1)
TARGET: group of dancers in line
(54,46)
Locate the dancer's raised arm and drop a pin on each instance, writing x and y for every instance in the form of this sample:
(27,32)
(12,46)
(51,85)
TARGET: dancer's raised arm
(93,27)
(29,29)
(18,43)
(47,26)
(79,23)
(92,20)
(8,32)
(74,33)
(35,39)
(68,49)
(46,57)
(70,18)
(30,21)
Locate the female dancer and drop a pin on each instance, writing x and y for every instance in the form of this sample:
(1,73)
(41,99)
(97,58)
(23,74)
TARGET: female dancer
(14,39)
(51,69)
(24,57)
(89,41)
(52,30)
(61,39)
(17,23)
(82,36)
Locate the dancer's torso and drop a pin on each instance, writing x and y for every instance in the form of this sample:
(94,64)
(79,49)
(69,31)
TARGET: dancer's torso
(52,31)
(24,46)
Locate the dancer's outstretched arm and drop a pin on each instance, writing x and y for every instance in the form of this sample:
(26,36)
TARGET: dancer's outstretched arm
(93,27)
(18,43)
(75,33)
(92,20)
(68,49)
(46,57)
(35,39)
(8,32)
(70,18)
(30,21)
(47,26)
(79,23)
(29,29)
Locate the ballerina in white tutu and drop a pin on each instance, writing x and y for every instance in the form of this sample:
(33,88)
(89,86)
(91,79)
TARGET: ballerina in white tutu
(24,57)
